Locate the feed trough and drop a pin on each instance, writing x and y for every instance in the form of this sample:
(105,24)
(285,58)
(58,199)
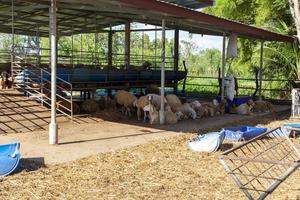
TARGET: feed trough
(260,165)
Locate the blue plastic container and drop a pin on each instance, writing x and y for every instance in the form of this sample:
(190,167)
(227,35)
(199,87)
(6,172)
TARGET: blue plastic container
(243,133)
(9,158)
(236,101)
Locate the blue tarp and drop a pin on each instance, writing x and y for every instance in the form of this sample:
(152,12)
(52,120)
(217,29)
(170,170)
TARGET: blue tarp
(9,158)
(243,133)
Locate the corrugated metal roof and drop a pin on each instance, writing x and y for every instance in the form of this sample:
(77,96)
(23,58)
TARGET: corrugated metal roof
(194,4)
(31,17)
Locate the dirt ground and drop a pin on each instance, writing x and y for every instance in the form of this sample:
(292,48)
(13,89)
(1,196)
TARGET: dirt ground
(108,131)
(158,168)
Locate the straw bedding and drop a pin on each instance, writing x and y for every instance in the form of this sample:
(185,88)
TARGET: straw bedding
(163,169)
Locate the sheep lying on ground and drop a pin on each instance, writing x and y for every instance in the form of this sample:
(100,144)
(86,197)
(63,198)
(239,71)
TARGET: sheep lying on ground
(89,106)
(243,109)
(126,100)
(65,106)
(263,106)
(220,107)
(141,103)
(170,117)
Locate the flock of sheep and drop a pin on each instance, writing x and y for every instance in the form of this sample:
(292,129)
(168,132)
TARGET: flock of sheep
(176,110)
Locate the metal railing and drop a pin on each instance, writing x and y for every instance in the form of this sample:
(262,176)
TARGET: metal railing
(35,83)
(271,89)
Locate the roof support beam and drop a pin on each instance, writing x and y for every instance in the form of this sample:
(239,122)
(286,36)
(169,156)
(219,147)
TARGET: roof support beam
(127,44)
(176,57)
(162,88)
(261,68)
(223,67)
(53,129)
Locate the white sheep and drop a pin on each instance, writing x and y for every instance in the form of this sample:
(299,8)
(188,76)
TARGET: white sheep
(126,100)
(170,117)
(155,100)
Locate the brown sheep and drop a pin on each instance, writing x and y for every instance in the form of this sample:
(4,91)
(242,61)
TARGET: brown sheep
(263,106)
(126,100)
(65,106)
(89,106)
(141,103)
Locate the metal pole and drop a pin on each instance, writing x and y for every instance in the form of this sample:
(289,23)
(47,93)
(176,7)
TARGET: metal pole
(109,53)
(12,36)
(80,48)
(223,67)
(53,135)
(155,44)
(176,58)
(143,45)
(163,58)
(261,69)
(72,38)
(38,39)
(127,44)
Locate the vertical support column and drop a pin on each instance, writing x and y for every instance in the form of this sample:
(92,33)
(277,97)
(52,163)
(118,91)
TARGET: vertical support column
(223,67)
(155,46)
(38,40)
(81,49)
(176,58)
(95,47)
(109,53)
(53,135)
(127,44)
(143,46)
(12,36)
(163,58)
(72,43)
(261,69)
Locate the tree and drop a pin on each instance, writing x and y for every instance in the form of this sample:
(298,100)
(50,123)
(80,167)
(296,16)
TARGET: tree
(294,7)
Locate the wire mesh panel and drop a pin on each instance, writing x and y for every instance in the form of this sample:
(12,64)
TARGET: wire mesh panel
(260,165)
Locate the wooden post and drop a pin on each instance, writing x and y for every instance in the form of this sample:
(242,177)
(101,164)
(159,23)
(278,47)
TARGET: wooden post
(176,58)
(127,45)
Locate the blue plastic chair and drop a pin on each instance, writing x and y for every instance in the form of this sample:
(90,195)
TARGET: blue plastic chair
(9,158)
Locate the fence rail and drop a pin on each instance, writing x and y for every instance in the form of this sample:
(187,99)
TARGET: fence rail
(277,89)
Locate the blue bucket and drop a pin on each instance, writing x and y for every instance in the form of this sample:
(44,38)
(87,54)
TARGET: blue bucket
(9,158)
